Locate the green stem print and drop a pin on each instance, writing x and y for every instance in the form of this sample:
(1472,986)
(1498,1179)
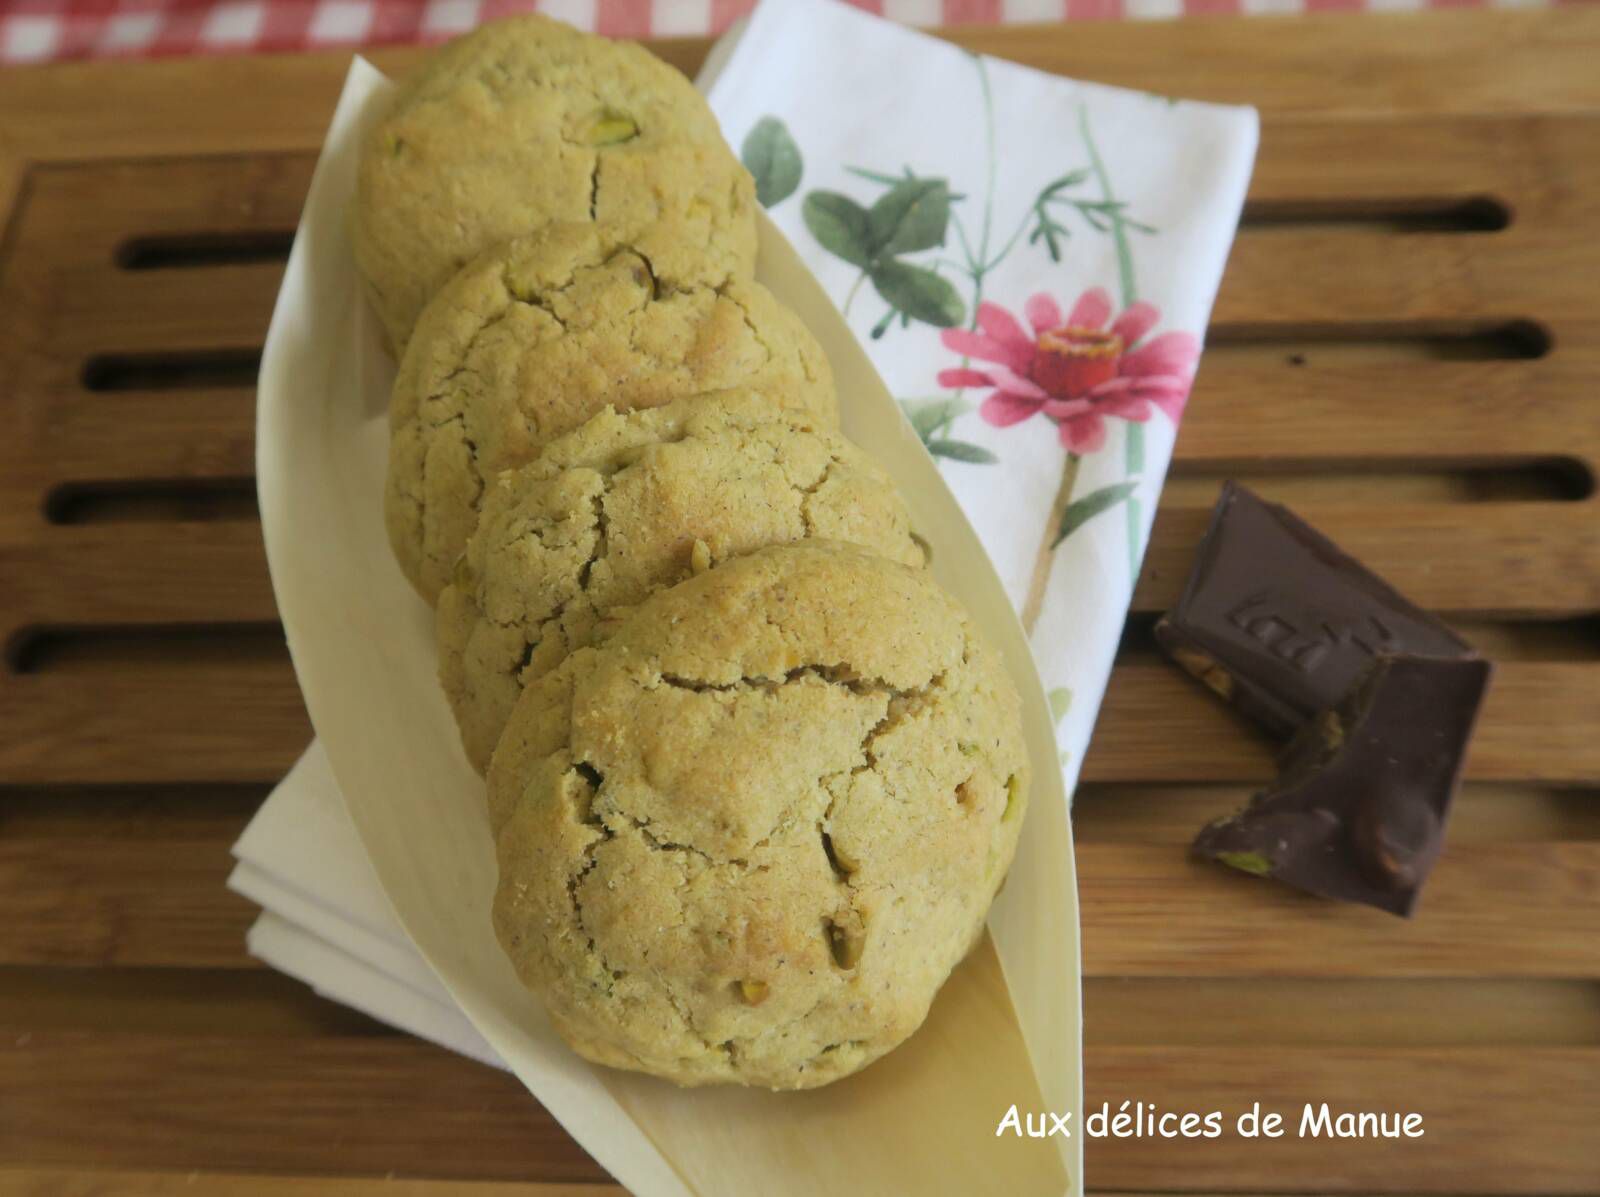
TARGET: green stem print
(1113,210)
(982,264)
(932,418)
(850,297)
(1134,444)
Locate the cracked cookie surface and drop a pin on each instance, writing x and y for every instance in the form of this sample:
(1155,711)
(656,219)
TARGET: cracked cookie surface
(532,339)
(626,505)
(527,121)
(746,838)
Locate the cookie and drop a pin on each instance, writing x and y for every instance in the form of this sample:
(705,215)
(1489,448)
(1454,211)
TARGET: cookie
(630,503)
(532,339)
(527,121)
(747,837)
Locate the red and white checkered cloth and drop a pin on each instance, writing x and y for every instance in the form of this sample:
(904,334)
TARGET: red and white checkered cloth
(48,30)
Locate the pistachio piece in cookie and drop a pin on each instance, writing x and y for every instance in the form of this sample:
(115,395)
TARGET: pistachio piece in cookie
(538,335)
(747,837)
(630,503)
(527,121)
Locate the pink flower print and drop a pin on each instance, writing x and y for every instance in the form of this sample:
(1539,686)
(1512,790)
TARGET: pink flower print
(1075,371)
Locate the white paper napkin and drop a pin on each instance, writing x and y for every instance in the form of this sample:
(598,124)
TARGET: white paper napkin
(1030,262)
(325,920)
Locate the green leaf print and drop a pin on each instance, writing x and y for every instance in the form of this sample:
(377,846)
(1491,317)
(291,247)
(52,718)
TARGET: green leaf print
(840,225)
(910,216)
(1081,511)
(931,419)
(918,292)
(960,451)
(773,159)
(927,416)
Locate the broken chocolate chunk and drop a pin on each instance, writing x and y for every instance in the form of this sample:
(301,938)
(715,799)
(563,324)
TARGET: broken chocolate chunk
(1280,622)
(1360,809)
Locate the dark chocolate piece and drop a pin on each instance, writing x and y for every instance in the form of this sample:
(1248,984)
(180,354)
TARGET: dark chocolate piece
(1276,619)
(1360,809)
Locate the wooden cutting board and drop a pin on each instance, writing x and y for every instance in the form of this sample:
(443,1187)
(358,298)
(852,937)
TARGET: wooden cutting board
(1406,348)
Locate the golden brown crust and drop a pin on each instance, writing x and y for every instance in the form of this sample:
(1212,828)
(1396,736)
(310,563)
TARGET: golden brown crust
(527,121)
(535,337)
(748,836)
(626,505)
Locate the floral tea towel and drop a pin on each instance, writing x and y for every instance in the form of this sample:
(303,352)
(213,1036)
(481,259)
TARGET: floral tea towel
(1030,262)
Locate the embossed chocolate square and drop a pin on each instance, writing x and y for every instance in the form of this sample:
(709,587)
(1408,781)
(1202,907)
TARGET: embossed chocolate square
(1279,621)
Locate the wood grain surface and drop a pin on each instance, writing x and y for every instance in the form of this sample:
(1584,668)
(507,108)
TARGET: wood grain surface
(1406,348)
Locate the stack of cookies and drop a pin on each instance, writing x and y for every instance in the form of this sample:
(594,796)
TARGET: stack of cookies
(754,777)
